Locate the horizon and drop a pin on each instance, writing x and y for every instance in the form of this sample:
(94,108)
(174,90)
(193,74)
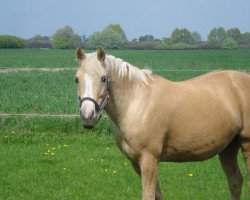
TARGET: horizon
(130,40)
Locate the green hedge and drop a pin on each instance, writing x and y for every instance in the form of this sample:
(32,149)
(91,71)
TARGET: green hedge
(9,41)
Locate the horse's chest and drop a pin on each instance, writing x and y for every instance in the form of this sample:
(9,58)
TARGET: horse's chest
(127,149)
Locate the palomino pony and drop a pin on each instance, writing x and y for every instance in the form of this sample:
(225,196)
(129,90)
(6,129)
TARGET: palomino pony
(159,120)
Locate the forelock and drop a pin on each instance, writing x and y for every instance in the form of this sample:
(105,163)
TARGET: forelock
(92,65)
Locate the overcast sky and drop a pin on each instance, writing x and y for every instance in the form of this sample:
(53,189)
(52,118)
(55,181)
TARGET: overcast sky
(25,18)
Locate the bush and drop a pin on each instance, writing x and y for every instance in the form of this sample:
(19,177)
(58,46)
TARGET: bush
(39,41)
(9,41)
(229,43)
(38,44)
(209,45)
(141,45)
(179,46)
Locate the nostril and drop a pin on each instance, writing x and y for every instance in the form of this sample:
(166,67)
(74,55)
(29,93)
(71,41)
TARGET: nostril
(92,114)
(82,115)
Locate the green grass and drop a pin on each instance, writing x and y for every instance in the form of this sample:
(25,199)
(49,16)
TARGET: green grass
(91,166)
(155,59)
(37,58)
(190,59)
(50,92)
(38,92)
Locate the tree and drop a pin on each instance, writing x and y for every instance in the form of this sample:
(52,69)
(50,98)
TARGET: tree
(196,37)
(65,38)
(245,40)
(167,41)
(39,37)
(109,38)
(234,33)
(229,43)
(217,35)
(146,38)
(117,28)
(182,36)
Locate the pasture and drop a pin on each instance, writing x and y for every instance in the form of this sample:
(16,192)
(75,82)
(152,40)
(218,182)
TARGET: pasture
(46,154)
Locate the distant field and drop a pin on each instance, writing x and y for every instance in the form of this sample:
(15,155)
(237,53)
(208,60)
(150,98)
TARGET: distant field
(36,58)
(155,59)
(55,158)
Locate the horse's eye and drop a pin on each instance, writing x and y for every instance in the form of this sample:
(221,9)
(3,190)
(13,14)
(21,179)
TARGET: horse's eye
(104,79)
(76,79)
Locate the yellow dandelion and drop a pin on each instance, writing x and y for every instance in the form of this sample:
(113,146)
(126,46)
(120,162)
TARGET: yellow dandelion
(52,154)
(190,175)
(48,151)
(54,148)
(65,145)
(107,148)
(114,172)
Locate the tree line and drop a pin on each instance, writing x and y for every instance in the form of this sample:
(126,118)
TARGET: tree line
(114,37)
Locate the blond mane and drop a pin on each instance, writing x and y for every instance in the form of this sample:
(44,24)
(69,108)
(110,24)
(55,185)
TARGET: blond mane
(125,69)
(117,66)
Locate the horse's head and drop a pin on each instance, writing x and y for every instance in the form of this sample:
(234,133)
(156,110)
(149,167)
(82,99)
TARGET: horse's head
(92,85)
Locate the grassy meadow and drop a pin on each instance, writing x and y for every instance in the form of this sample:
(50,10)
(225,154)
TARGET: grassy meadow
(55,158)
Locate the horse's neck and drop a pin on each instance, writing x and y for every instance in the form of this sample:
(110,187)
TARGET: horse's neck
(122,94)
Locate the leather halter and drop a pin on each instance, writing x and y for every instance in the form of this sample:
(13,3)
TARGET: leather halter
(98,107)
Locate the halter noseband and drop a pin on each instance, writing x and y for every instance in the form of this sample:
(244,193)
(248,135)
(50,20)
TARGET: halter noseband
(98,107)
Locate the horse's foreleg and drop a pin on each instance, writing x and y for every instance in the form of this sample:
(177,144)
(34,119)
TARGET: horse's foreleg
(158,195)
(136,167)
(148,168)
(228,159)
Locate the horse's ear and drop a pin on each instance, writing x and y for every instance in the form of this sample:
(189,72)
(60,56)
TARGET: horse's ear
(101,54)
(80,55)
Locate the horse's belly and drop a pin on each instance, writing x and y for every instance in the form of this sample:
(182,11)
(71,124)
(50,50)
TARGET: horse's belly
(196,148)
(189,154)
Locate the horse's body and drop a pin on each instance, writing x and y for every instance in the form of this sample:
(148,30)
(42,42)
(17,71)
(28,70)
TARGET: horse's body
(159,120)
(187,121)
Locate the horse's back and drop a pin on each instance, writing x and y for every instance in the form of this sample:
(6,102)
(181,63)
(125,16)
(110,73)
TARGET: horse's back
(233,86)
